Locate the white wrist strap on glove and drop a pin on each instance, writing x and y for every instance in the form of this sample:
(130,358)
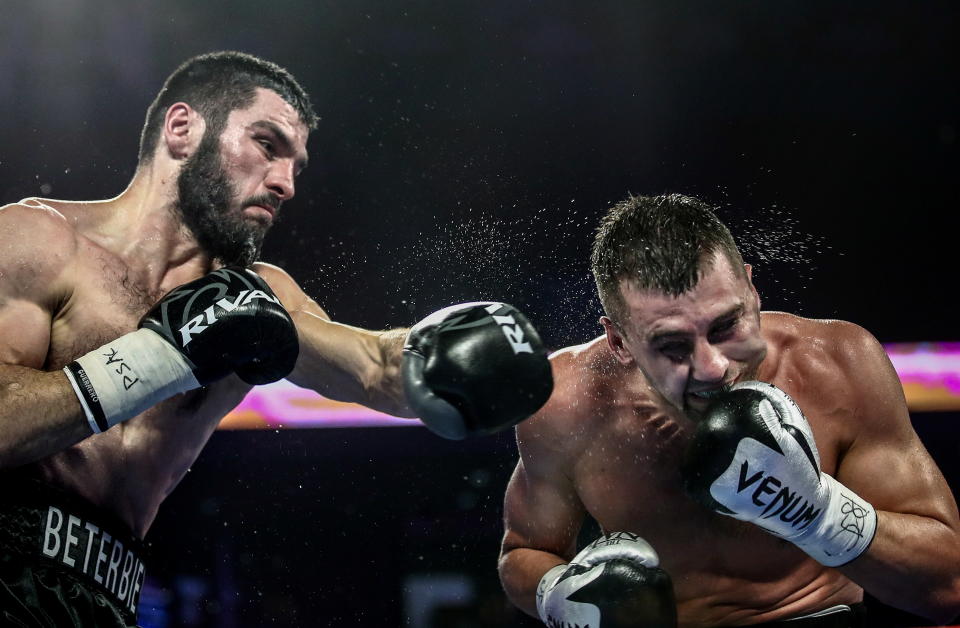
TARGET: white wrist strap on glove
(126,376)
(547,582)
(844,530)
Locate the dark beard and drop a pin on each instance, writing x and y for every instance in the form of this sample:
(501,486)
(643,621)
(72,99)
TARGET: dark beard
(204,200)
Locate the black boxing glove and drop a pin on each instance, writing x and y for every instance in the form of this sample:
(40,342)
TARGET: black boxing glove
(615,582)
(753,457)
(475,368)
(228,321)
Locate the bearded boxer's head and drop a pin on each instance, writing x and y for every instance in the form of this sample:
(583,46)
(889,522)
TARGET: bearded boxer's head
(213,192)
(679,301)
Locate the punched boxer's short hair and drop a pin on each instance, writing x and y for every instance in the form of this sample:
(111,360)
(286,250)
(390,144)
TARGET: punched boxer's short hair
(216,84)
(658,243)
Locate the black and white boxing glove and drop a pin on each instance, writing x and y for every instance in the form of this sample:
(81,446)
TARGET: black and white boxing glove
(615,582)
(228,321)
(475,368)
(753,457)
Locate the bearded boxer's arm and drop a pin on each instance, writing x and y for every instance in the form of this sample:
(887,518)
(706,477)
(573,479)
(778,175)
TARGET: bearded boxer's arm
(39,412)
(39,415)
(339,361)
(468,369)
(350,364)
(913,560)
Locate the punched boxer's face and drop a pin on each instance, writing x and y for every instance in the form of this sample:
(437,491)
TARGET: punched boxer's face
(692,346)
(231,188)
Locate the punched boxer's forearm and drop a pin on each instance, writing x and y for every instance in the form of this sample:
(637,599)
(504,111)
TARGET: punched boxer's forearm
(520,571)
(39,415)
(912,565)
(615,581)
(350,364)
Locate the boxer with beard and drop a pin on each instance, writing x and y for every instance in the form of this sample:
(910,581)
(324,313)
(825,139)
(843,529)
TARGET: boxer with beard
(130,326)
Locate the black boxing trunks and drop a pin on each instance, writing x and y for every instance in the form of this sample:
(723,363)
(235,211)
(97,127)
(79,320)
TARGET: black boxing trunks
(63,562)
(843,616)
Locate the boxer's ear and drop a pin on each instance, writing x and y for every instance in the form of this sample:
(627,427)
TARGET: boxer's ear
(615,341)
(183,128)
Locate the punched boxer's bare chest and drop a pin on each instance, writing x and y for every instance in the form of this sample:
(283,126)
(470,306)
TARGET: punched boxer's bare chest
(627,476)
(132,467)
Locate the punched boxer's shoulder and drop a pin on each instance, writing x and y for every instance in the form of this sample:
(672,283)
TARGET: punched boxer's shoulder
(586,378)
(827,366)
(815,351)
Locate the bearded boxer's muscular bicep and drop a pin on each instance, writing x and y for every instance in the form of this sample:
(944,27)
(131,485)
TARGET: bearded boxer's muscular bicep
(39,413)
(340,361)
(542,514)
(24,331)
(912,561)
(31,246)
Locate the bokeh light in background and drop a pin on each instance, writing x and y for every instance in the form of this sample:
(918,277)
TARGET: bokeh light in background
(929,372)
(465,152)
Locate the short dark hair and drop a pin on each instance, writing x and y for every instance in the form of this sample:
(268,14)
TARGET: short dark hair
(659,243)
(217,83)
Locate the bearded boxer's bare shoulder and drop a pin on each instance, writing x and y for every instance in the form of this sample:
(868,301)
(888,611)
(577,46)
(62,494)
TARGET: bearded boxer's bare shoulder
(294,299)
(35,236)
(61,282)
(38,246)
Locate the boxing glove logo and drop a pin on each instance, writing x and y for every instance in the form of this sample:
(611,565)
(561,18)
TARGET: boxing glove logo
(208,317)
(510,329)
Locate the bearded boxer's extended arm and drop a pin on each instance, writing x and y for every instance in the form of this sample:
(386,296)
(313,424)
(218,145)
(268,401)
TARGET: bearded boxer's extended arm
(914,560)
(350,364)
(339,361)
(468,369)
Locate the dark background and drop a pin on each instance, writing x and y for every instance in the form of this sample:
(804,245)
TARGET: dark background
(466,151)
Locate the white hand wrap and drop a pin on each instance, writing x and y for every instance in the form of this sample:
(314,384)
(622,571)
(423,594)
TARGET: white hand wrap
(786,493)
(124,377)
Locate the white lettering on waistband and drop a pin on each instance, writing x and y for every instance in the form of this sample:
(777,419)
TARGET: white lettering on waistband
(117,568)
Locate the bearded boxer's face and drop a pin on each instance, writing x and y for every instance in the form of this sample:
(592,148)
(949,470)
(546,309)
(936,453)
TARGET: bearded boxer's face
(230,190)
(691,346)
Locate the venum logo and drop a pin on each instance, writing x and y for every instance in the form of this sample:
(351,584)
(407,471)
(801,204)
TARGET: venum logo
(510,329)
(208,317)
(790,505)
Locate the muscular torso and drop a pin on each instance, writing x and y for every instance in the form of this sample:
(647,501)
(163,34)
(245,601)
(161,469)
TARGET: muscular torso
(626,475)
(132,467)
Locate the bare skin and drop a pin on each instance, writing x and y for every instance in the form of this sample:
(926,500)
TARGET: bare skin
(74,275)
(610,441)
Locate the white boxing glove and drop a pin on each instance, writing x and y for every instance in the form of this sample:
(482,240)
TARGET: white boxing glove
(615,582)
(753,457)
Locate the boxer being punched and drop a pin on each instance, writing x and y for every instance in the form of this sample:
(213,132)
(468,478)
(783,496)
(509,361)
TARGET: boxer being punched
(130,326)
(768,459)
